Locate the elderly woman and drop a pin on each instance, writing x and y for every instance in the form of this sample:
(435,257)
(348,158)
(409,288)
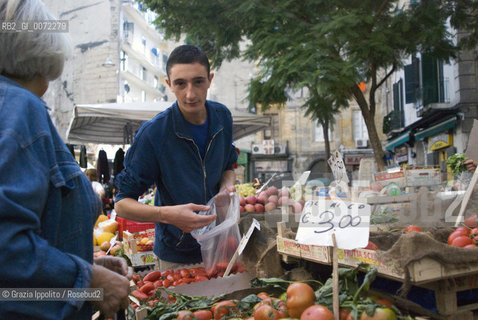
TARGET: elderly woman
(47,205)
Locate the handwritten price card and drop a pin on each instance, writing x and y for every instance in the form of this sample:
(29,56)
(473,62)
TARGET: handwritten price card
(349,221)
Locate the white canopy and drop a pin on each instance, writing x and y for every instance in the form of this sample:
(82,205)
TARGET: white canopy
(116,123)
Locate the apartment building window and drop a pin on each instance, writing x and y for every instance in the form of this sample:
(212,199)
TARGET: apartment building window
(359,128)
(156,82)
(143,96)
(128,29)
(165,60)
(124,61)
(398,106)
(143,42)
(319,132)
(425,82)
(142,73)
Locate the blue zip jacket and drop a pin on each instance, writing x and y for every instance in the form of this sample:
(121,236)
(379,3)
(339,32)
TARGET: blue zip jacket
(164,153)
(47,210)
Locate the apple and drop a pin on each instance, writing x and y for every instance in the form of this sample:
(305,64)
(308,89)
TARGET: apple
(241,209)
(296,207)
(284,192)
(105,246)
(115,249)
(249,207)
(273,199)
(251,199)
(262,198)
(259,207)
(269,206)
(242,201)
(283,201)
(272,191)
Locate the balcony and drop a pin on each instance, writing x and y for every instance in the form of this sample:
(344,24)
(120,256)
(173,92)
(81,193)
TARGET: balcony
(392,122)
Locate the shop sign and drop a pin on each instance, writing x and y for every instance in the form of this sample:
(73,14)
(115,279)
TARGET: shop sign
(271,166)
(353,159)
(440,141)
(401,158)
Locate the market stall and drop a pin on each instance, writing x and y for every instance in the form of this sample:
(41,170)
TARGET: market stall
(414,263)
(116,123)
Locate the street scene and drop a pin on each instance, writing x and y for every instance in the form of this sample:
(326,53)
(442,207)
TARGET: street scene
(216,159)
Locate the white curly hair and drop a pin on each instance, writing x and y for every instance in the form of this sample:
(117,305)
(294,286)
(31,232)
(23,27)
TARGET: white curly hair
(25,55)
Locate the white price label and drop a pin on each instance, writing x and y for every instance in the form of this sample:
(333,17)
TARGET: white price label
(348,220)
(254,225)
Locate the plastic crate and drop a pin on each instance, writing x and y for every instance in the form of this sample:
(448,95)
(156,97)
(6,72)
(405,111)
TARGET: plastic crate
(132,226)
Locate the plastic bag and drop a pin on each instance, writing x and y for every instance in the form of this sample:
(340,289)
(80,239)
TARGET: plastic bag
(220,239)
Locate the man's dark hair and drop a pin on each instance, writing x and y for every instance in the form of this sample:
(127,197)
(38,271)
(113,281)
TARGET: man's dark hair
(187,54)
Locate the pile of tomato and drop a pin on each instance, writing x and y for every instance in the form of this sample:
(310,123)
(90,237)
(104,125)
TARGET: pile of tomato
(148,285)
(298,302)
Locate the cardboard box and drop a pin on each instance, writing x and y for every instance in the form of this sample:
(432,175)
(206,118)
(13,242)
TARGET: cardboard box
(352,258)
(422,177)
(385,178)
(138,258)
(423,271)
(292,248)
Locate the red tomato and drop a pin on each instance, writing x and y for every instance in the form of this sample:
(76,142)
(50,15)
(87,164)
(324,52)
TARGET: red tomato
(263,295)
(280,306)
(147,287)
(166,283)
(412,228)
(471,221)
(185,315)
(152,276)
(136,278)
(203,314)
(184,273)
(317,312)
(371,246)
(223,308)
(158,283)
(464,230)
(474,231)
(266,312)
(461,241)
(200,278)
(455,234)
(139,295)
(300,296)
(344,314)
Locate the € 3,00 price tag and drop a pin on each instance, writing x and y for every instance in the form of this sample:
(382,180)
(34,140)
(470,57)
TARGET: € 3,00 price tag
(349,221)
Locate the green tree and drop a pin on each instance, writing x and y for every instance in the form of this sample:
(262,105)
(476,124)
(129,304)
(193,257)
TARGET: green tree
(326,46)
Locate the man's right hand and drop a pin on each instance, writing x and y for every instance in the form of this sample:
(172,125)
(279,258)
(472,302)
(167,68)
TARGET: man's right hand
(184,216)
(470,165)
(115,290)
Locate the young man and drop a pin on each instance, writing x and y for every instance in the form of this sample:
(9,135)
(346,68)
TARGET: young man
(187,152)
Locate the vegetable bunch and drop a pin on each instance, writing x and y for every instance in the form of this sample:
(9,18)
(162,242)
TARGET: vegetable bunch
(455,162)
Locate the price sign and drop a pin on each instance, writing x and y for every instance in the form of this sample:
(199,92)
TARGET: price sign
(336,163)
(349,221)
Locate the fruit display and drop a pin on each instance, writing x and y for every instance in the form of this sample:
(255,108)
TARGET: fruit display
(245,189)
(270,199)
(279,299)
(144,244)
